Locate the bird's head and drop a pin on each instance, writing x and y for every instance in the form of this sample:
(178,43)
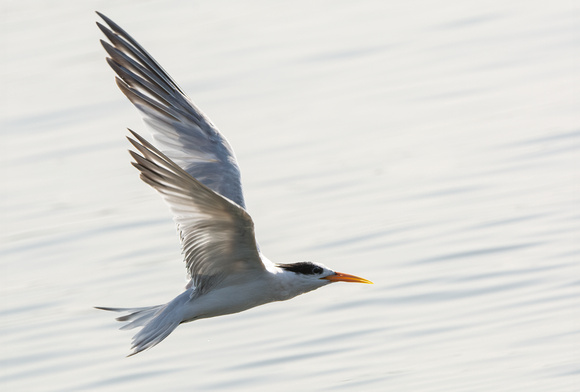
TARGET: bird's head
(315,275)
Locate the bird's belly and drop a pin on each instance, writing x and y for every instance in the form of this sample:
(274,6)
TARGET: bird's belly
(226,300)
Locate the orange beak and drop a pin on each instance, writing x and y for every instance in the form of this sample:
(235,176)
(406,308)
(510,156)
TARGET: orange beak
(340,277)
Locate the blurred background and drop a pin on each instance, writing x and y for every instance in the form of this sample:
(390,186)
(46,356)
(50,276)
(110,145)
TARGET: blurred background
(433,148)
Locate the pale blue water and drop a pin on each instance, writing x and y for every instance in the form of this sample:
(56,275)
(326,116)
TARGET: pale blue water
(434,149)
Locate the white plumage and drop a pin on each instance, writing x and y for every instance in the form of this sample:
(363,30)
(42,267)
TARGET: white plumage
(198,176)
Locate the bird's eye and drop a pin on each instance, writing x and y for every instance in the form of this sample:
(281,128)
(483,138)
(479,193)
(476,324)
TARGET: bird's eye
(317,270)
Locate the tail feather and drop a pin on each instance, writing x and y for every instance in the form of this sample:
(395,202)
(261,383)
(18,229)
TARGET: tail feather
(138,317)
(157,322)
(153,333)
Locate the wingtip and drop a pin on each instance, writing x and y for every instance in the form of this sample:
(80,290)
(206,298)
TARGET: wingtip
(123,86)
(136,157)
(104,17)
(136,136)
(135,144)
(104,43)
(142,143)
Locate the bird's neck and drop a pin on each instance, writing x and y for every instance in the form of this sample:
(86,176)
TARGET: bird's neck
(290,284)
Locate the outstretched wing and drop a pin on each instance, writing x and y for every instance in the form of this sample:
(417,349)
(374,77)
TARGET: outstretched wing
(183,132)
(217,235)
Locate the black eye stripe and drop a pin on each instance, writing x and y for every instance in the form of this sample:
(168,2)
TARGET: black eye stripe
(304,267)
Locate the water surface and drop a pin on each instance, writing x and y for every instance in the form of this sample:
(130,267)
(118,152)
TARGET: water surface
(432,149)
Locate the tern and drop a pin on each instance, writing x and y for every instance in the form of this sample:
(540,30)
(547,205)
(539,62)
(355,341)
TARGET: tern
(198,177)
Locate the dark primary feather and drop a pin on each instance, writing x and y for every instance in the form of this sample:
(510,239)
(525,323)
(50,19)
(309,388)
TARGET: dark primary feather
(217,235)
(183,132)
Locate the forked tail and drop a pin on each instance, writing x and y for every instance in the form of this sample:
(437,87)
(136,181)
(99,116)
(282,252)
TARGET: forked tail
(157,322)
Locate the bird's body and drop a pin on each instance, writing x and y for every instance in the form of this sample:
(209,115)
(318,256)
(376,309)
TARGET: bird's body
(198,176)
(244,291)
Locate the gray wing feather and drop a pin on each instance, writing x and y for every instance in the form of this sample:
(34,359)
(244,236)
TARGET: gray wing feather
(183,132)
(217,235)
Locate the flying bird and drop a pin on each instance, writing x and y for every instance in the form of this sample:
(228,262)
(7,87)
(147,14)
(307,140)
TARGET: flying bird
(198,177)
